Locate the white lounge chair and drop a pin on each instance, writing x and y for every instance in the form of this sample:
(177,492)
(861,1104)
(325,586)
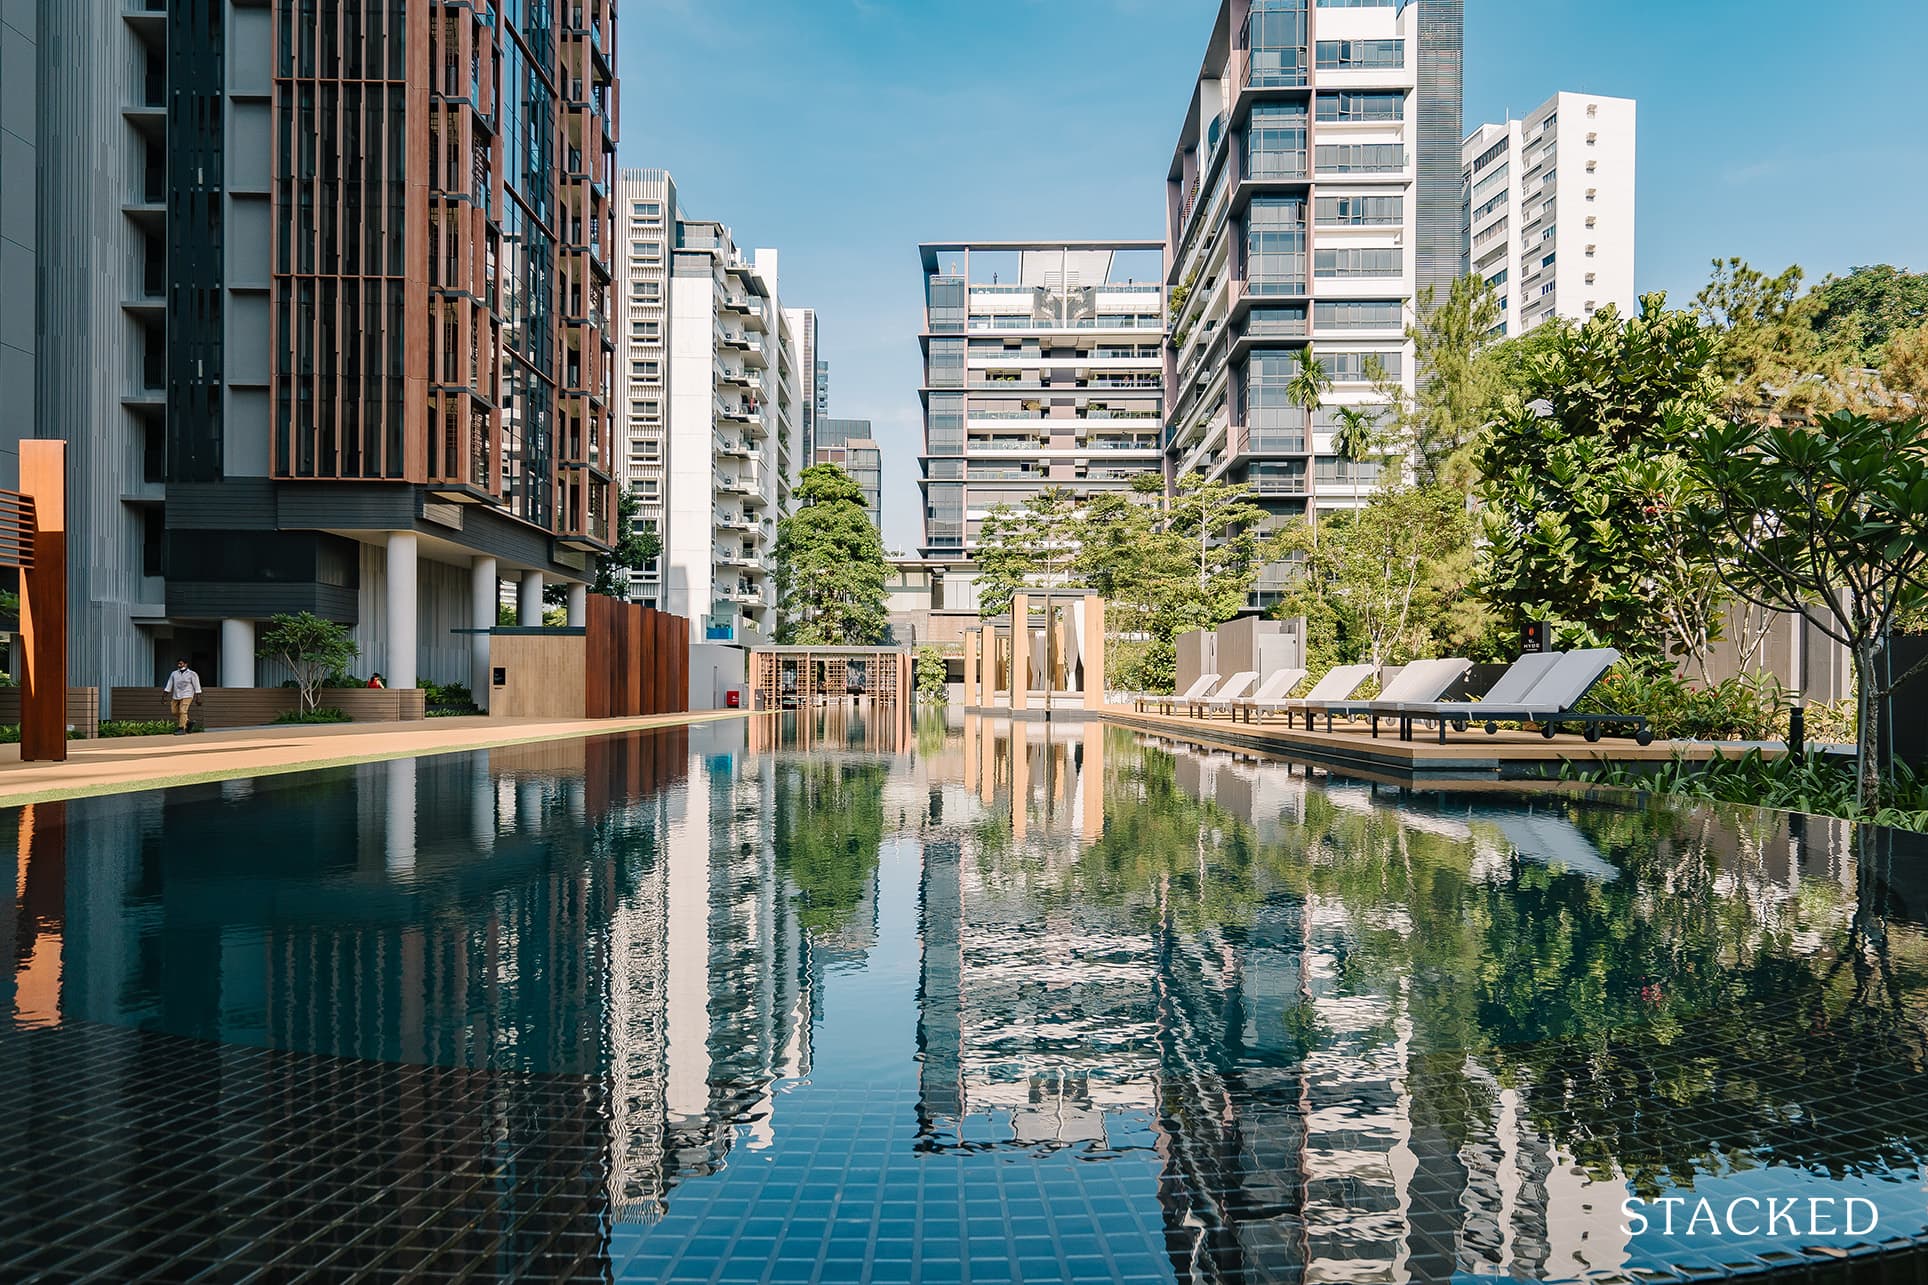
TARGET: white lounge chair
(1549,701)
(1235,686)
(1193,693)
(1270,692)
(1422,680)
(1339,682)
(1511,688)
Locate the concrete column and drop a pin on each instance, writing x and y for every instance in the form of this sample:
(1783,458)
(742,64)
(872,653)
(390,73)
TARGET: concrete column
(403,610)
(483,594)
(970,668)
(578,604)
(528,600)
(237,654)
(399,836)
(1020,655)
(1094,652)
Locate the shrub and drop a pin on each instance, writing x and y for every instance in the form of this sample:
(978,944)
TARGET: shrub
(321,714)
(1750,707)
(313,648)
(931,676)
(138,727)
(1821,785)
(448,696)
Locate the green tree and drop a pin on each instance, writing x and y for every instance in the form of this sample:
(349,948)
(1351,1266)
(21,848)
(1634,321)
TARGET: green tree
(1904,369)
(1770,357)
(1570,525)
(1858,314)
(311,647)
(1356,440)
(1831,520)
(1306,388)
(932,676)
(828,831)
(1035,546)
(830,565)
(1460,383)
(1396,572)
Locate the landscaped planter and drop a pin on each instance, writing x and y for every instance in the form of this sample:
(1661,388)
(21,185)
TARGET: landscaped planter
(255,706)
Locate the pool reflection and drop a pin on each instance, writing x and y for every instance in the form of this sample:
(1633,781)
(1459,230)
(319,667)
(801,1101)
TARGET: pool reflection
(829,995)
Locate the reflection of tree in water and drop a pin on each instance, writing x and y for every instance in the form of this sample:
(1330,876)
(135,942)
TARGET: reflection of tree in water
(829,829)
(1689,1016)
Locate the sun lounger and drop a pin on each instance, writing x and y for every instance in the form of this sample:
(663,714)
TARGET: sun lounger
(1422,680)
(1193,693)
(1512,687)
(1549,701)
(1270,692)
(1235,686)
(1338,683)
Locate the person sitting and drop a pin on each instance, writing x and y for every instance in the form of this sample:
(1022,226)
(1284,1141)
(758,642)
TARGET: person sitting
(375,680)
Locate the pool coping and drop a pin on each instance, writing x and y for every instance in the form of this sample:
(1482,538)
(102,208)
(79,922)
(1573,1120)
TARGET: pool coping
(427,737)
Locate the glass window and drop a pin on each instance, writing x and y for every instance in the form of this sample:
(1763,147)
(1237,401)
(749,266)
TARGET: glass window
(944,428)
(1288,320)
(1345,55)
(1357,263)
(946,363)
(1361,158)
(1275,42)
(1382,106)
(1271,416)
(1358,314)
(1360,211)
(945,303)
(1357,367)
(1275,141)
(1275,246)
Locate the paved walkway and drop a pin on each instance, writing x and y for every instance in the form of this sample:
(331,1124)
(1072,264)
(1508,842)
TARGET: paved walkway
(113,764)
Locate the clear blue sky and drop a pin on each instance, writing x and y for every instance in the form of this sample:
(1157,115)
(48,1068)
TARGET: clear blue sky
(844,132)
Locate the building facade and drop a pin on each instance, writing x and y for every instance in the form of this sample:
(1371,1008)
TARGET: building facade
(646,202)
(849,445)
(1041,372)
(331,300)
(803,324)
(1303,209)
(1550,209)
(735,397)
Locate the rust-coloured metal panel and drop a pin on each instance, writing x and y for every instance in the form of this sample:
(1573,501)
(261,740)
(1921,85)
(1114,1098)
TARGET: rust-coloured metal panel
(43,604)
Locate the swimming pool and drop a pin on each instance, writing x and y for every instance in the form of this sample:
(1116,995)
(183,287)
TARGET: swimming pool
(822,998)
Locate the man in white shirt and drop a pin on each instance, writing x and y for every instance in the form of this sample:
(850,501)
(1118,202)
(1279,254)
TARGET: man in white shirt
(183,688)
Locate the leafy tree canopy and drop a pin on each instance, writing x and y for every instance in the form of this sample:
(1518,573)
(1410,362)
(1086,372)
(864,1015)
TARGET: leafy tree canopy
(1858,314)
(830,565)
(312,647)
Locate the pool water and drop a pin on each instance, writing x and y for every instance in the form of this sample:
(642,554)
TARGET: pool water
(825,997)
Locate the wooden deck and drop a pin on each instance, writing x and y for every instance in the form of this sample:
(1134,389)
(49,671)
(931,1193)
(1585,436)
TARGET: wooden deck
(1472,755)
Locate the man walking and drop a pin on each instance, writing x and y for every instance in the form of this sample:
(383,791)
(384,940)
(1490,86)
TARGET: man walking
(183,688)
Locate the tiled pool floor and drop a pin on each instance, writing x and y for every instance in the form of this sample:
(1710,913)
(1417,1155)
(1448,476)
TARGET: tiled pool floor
(699,1007)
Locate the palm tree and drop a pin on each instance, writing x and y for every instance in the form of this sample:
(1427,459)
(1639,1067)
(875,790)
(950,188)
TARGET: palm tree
(1357,435)
(1307,389)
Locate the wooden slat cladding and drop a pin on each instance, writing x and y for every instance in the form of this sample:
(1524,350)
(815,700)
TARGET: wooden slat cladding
(442,250)
(636,660)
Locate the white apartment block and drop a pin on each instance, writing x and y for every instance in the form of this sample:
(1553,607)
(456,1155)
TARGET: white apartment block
(646,232)
(803,324)
(1550,203)
(1310,199)
(734,411)
(1042,372)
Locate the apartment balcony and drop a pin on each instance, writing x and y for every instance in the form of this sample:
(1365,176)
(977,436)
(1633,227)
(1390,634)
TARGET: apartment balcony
(737,484)
(733,448)
(737,522)
(584,501)
(739,558)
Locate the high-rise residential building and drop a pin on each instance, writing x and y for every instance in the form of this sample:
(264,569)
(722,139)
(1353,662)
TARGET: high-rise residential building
(330,300)
(1550,209)
(1042,371)
(646,215)
(1304,207)
(848,444)
(803,324)
(735,397)
(823,387)
(19,184)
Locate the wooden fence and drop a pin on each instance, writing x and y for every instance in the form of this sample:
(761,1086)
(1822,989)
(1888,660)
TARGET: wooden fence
(83,709)
(636,661)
